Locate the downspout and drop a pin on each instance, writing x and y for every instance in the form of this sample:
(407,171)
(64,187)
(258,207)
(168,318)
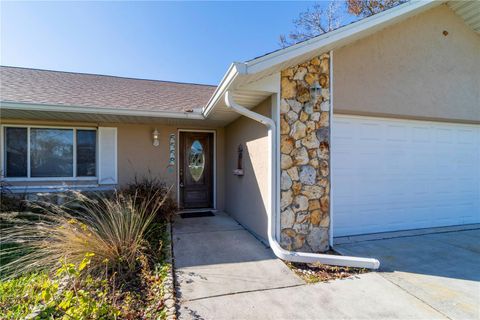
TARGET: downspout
(332,190)
(272,210)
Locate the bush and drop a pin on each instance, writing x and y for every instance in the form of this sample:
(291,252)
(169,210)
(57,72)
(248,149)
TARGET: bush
(149,187)
(114,230)
(64,295)
(10,202)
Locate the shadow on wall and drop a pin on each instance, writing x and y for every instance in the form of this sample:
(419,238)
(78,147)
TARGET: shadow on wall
(246,196)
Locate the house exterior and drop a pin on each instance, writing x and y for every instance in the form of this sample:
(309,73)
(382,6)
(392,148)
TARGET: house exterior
(373,127)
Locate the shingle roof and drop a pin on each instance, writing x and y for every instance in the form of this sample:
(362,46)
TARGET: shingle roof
(25,85)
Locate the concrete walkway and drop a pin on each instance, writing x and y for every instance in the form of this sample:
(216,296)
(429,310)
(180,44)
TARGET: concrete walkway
(223,272)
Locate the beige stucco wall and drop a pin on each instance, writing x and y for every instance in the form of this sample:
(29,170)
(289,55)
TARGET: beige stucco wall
(412,70)
(246,196)
(137,155)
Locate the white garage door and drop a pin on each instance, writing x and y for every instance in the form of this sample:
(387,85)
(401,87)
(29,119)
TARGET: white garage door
(393,174)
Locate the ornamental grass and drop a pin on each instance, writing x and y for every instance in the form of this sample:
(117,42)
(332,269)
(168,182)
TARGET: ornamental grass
(114,229)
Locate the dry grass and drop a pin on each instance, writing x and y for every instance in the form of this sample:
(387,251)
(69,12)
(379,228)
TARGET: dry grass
(149,186)
(113,229)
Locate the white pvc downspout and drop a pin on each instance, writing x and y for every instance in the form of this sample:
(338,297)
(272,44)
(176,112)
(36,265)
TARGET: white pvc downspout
(272,211)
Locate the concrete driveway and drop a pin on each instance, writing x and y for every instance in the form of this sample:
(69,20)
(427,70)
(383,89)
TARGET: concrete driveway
(440,269)
(223,272)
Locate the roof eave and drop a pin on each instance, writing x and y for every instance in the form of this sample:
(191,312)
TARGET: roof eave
(97,110)
(235,69)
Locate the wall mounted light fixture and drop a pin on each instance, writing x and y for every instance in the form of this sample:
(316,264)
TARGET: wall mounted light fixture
(155,136)
(239,170)
(315,91)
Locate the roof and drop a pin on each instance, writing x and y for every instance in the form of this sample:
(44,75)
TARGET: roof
(23,85)
(250,82)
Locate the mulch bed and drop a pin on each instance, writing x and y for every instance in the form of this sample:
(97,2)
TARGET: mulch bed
(317,272)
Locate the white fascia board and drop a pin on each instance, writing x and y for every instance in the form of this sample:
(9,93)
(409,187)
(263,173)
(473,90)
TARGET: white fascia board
(270,83)
(232,73)
(95,110)
(350,32)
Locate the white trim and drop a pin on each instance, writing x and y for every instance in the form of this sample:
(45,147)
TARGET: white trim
(48,126)
(29,178)
(344,115)
(115,159)
(232,73)
(276,100)
(96,110)
(214,164)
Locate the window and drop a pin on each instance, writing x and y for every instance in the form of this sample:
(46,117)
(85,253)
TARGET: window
(86,153)
(32,152)
(16,141)
(51,153)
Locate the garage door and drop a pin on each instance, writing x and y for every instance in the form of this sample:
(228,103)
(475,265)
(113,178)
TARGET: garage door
(393,174)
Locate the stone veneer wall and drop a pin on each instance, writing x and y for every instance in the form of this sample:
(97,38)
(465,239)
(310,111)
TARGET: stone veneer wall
(305,154)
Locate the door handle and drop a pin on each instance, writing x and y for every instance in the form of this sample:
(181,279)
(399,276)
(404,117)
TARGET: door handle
(181,179)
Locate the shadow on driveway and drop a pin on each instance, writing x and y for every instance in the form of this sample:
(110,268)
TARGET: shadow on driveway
(442,269)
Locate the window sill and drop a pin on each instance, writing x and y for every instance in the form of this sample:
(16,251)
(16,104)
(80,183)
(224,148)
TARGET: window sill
(48,179)
(59,188)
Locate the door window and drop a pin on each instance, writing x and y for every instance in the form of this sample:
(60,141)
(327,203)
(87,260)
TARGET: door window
(196,160)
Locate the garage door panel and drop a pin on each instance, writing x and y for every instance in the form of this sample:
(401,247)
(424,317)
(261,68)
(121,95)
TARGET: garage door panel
(421,134)
(369,131)
(391,174)
(444,135)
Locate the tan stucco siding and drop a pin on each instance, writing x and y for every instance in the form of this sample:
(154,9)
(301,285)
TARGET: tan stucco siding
(136,156)
(246,196)
(412,70)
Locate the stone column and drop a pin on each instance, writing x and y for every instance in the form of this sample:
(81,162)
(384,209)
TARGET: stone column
(305,156)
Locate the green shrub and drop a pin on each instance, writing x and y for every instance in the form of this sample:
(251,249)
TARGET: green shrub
(114,230)
(64,295)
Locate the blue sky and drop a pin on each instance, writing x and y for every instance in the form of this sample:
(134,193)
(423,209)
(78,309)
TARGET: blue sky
(176,41)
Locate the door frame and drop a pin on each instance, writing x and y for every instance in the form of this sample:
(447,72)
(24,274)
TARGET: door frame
(214,164)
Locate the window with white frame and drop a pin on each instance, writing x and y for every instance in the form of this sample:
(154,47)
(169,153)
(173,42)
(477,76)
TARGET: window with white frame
(41,152)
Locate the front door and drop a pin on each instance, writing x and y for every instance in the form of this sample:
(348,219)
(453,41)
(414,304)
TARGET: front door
(196,170)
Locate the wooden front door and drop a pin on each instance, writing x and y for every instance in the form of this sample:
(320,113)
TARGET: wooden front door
(196,170)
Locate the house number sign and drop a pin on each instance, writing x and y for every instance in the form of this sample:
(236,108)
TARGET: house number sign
(171,143)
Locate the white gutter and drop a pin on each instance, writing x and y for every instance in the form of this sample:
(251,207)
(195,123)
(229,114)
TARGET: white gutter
(232,73)
(273,211)
(95,110)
